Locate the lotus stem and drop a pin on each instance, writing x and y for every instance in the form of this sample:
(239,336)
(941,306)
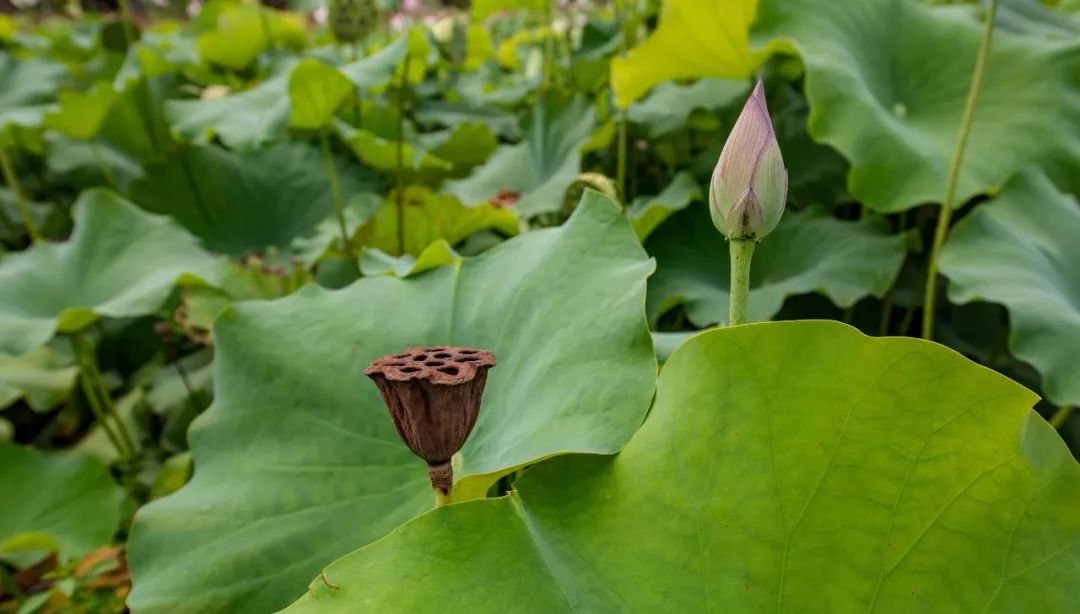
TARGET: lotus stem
(549,48)
(99,399)
(106,172)
(742,251)
(1061,416)
(20,198)
(399,193)
(335,193)
(129,21)
(620,159)
(945,216)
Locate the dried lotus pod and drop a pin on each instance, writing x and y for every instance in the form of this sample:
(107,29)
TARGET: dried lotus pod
(433,394)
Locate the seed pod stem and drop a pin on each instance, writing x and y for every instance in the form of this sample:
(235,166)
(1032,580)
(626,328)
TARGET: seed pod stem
(742,251)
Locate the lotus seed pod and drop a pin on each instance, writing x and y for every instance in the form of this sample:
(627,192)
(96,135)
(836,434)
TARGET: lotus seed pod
(433,394)
(749,185)
(352,20)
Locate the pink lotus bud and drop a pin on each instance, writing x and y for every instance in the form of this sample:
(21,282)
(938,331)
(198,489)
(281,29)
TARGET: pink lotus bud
(749,185)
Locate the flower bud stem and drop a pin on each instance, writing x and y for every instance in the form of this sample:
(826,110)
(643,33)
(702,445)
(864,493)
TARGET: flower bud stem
(945,216)
(742,251)
(12,181)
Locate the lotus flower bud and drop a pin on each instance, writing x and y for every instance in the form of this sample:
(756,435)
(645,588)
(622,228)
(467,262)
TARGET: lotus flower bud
(433,395)
(749,185)
(352,20)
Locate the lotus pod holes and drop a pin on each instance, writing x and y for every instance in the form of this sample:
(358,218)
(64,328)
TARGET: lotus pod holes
(433,395)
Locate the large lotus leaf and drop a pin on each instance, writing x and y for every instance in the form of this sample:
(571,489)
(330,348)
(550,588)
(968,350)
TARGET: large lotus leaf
(245,120)
(442,113)
(1021,250)
(808,252)
(881,95)
(29,82)
(43,376)
(316,90)
(787,466)
(430,217)
(648,212)
(541,167)
(81,114)
(241,35)
(62,502)
(297,461)
(378,68)
(120,262)
(27,88)
(481,9)
(669,105)
(695,38)
(241,201)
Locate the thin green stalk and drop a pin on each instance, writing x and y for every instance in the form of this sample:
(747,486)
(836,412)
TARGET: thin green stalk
(621,15)
(264,24)
(129,22)
(887,303)
(1061,416)
(106,172)
(20,199)
(620,157)
(549,48)
(945,216)
(742,251)
(358,108)
(99,399)
(399,179)
(335,193)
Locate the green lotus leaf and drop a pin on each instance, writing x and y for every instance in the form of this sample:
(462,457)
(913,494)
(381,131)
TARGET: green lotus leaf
(27,90)
(378,68)
(240,35)
(886,475)
(30,81)
(431,217)
(695,39)
(81,114)
(83,164)
(43,376)
(1020,250)
(893,108)
(298,461)
(808,252)
(465,146)
(668,106)
(482,9)
(316,90)
(251,280)
(120,262)
(648,212)
(441,113)
(65,503)
(382,153)
(241,201)
(245,120)
(377,262)
(541,167)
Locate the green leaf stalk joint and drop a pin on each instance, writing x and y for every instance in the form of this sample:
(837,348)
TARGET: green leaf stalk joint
(433,394)
(748,192)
